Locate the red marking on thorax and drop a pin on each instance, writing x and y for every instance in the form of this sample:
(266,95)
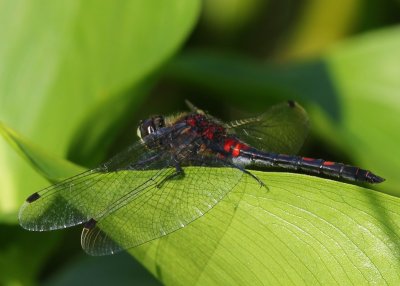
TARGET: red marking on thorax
(209,133)
(213,131)
(191,121)
(204,127)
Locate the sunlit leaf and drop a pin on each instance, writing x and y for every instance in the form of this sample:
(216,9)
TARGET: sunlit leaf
(304,230)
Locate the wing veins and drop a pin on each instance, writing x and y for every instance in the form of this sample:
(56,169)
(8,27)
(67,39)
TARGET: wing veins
(120,202)
(126,199)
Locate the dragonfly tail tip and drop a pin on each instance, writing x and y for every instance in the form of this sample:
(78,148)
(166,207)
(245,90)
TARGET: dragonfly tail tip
(90,224)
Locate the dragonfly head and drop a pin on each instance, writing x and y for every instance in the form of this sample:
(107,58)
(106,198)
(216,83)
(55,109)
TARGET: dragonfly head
(150,125)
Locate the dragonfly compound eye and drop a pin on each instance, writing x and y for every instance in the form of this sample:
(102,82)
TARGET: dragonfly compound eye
(158,122)
(150,125)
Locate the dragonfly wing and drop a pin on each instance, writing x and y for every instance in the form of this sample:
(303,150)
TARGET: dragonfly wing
(77,199)
(62,205)
(160,206)
(282,129)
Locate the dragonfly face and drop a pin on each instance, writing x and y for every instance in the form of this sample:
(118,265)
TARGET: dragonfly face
(175,174)
(150,125)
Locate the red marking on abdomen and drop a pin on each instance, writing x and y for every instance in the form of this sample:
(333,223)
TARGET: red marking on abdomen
(236,150)
(234,147)
(328,163)
(238,147)
(228,144)
(307,159)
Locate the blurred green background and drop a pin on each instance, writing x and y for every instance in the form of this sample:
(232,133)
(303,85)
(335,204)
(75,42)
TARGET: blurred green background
(77,76)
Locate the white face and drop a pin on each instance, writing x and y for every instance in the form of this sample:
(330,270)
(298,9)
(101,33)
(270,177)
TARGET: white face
(138,133)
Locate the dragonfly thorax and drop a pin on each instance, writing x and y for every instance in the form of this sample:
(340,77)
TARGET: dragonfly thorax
(205,127)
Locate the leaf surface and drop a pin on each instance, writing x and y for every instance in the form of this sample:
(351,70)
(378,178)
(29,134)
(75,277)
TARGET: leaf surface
(304,230)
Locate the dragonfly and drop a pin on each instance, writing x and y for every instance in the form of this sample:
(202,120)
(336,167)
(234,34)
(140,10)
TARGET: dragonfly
(180,168)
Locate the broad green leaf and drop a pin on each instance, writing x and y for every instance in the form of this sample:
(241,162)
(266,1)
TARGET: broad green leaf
(92,139)
(366,72)
(51,167)
(16,243)
(352,94)
(304,230)
(61,60)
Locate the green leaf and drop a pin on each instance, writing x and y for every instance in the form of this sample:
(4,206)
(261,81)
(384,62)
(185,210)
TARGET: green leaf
(60,61)
(51,167)
(303,231)
(366,72)
(352,94)
(90,144)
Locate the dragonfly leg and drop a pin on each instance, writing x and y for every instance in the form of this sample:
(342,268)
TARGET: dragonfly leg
(179,173)
(262,184)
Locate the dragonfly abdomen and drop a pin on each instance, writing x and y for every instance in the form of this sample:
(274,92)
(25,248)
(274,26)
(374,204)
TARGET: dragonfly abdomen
(338,170)
(316,166)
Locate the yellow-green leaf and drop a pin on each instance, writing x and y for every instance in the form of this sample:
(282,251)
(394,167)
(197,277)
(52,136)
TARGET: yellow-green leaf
(304,230)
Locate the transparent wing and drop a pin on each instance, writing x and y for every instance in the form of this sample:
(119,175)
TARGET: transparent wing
(282,129)
(159,207)
(77,199)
